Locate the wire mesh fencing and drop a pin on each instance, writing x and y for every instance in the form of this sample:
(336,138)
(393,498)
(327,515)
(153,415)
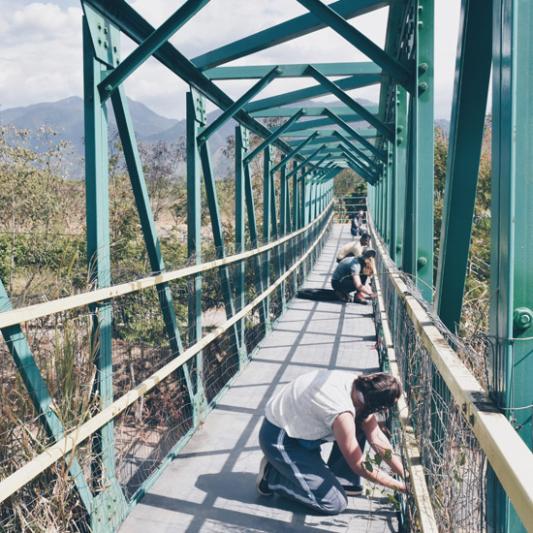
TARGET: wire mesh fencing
(92,488)
(454,463)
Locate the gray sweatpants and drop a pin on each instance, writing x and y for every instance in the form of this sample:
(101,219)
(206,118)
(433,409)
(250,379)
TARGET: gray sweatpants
(298,472)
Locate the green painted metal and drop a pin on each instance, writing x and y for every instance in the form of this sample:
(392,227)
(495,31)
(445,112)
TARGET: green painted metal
(390,65)
(310,111)
(291,71)
(345,84)
(150,45)
(218,237)
(125,18)
(241,145)
(368,133)
(474,55)
(334,88)
(283,32)
(301,166)
(98,255)
(423,165)
(267,226)
(356,134)
(399,173)
(356,150)
(274,135)
(239,104)
(318,123)
(512,233)
(298,149)
(40,396)
(196,118)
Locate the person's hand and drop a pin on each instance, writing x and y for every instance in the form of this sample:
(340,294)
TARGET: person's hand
(401,487)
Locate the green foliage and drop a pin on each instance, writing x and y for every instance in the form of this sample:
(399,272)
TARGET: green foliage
(347,182)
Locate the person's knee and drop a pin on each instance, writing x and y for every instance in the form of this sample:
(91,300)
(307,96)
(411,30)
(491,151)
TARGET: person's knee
(334,502)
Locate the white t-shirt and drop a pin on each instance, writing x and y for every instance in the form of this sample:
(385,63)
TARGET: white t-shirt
(307,407)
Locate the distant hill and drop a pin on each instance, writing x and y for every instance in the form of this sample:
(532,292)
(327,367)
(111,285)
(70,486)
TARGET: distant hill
(65,117)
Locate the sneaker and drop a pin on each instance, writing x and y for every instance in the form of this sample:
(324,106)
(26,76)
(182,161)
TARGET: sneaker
(353,490)
(360,301)
(261,483)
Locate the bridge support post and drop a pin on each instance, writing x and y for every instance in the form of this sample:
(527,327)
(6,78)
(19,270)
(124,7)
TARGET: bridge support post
(241,145)
(400,160)
(418,258)
(511,318)
(195,110)
(464,149)
(267,199)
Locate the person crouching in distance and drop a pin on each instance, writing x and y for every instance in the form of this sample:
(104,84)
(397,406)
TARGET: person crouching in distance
(322,406)
(353,274)
(355,248)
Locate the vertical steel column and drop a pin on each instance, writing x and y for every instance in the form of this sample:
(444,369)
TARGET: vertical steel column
(98,253)
(283,211)
(241,145)
(423,165)
(400,173)
(196,118)
(474,54)
(389,196)
(511,292)
(267,210)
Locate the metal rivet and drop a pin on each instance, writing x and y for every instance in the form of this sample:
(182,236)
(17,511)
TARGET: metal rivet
(522,319)
(422,87)
(421,262)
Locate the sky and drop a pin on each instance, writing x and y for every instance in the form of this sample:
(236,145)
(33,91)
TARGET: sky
(41,49)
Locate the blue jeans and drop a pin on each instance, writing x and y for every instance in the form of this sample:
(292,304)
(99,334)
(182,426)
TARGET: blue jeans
(298,472)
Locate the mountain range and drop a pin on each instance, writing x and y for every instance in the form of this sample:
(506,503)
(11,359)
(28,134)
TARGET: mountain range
(65,118)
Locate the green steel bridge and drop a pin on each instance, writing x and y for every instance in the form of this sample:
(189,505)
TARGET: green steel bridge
(170,432)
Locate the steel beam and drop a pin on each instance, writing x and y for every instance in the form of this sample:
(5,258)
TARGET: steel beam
(292,71)
(356,135)
(150,45)
(280,33)
(390,65)
(318,123)
(511,278)
(298,149)
(274,135)
(345,84)
(474,56)
(239,104)
(338,91)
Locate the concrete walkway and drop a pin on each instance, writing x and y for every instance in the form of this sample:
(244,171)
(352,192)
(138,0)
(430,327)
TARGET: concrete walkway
(210,487)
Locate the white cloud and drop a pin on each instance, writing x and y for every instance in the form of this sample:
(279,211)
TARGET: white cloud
(41,55)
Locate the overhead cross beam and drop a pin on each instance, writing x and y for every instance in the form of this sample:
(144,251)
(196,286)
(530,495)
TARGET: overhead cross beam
(281,33)
(295,151)
(150,45)
(390,65)
(274,135)
(346,84)
(239,104)
(338,91)
(356,135)
(243,72)
(127,20)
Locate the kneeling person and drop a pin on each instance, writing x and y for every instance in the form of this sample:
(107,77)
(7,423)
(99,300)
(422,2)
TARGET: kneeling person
(352,274)
(323,406)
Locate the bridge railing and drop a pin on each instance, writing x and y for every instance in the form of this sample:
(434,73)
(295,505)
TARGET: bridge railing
(456,429)
(160,396)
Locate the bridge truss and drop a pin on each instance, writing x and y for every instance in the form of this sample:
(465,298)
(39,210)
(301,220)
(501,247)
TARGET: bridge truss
(265,259)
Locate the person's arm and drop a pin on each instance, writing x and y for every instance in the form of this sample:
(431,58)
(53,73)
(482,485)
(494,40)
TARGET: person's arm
(362,288)
(381,444)
(344,432)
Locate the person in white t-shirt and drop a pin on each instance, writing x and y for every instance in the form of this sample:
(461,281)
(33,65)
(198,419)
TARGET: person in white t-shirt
(321,406)
(354,248)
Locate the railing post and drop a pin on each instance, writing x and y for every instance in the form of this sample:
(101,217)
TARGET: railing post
(511,315)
